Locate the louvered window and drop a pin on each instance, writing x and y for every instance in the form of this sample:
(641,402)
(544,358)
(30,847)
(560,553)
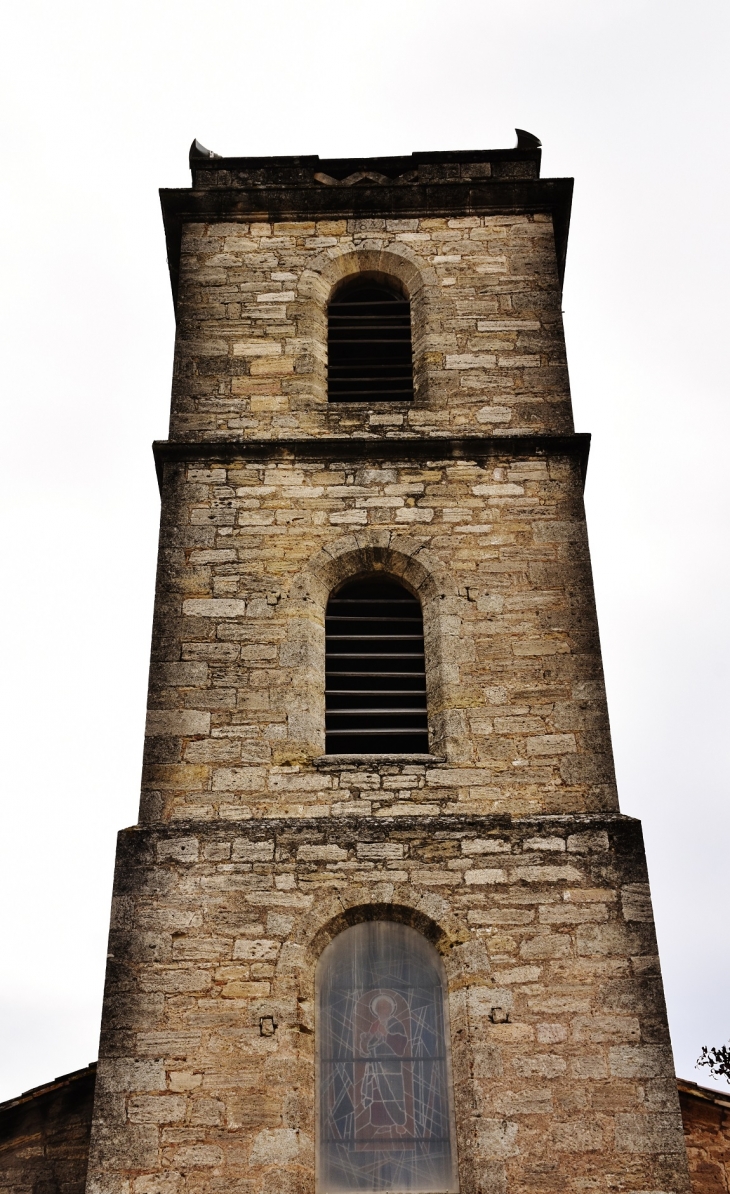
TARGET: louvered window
(376,676)
(369,344)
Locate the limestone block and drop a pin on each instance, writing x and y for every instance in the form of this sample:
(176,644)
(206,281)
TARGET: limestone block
(177,722)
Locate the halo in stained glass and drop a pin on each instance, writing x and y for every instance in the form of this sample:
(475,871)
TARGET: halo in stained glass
(384,1083)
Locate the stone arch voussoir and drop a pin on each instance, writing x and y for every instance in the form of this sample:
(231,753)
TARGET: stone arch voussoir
(397,261)
(327,920)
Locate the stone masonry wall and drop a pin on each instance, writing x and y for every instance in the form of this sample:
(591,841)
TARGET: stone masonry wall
(503,845)
(563,1073)
(44,1137)
(706,1119)
(251,354)
(496,550)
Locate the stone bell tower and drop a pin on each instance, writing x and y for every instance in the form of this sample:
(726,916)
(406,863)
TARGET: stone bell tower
(381,925)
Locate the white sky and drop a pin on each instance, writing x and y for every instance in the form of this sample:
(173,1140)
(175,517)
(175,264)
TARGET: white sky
(100,103)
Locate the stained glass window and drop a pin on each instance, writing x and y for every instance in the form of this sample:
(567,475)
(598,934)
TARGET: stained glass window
(385,1113)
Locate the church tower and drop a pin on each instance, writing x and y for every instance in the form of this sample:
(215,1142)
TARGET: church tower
(381,925)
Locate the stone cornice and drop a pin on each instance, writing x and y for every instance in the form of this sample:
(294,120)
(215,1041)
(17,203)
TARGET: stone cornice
(398,201)
(378,828)
(356,449)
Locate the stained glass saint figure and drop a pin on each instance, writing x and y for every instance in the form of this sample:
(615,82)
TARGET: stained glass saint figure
(385,1113)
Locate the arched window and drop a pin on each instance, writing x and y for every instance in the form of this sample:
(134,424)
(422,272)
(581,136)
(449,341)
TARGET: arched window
(375,687)
(384,1081)
(369,343)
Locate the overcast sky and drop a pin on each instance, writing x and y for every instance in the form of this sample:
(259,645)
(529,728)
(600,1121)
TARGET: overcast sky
(101,101)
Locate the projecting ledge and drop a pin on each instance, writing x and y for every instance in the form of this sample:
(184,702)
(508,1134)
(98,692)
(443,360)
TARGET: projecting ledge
(348,448)
(326,762)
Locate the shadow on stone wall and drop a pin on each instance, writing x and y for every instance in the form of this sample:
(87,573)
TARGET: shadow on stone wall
(44,1136)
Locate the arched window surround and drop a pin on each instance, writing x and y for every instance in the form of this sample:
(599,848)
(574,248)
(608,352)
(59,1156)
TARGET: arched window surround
(385,1096)
(444,620)
(338,265)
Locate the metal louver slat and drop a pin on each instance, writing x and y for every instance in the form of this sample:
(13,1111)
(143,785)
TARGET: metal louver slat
(369,344)
(378,709)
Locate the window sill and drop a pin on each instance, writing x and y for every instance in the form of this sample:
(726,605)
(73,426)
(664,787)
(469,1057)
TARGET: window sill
(330,761)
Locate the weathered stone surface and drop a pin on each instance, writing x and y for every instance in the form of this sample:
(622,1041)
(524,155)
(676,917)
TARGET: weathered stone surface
(44,1137)
(562,1071)
(513,660)
(504,844)
(487,328)
(706,1119)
